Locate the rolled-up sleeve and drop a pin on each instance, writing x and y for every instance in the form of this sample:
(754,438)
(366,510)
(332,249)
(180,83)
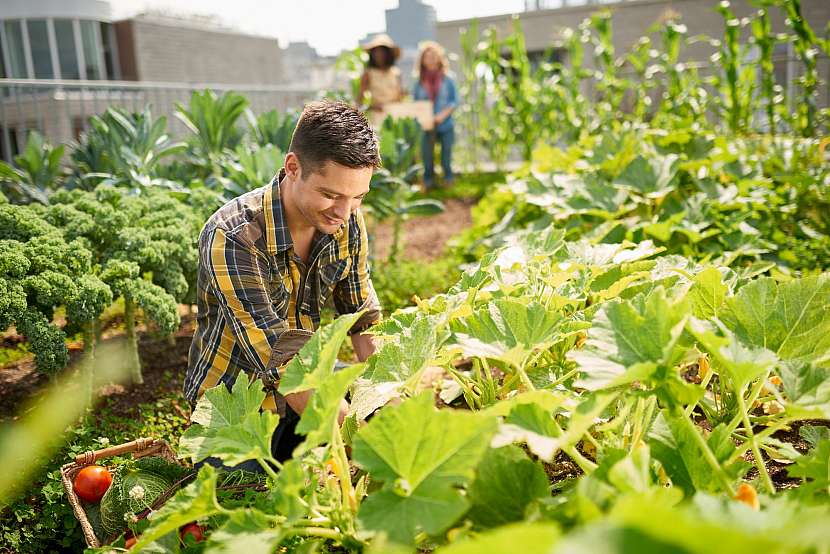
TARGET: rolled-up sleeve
(355,291)
(240,281)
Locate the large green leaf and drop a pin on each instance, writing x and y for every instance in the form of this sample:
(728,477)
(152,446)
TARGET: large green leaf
(507,483)
(195,501)
(398,361)
(535,426)
(682,460)
(807,388)
(528,538)
(509,330)
(790,318)
(630,339)
(740,364)
(320,414)
(652,177)
(814,469)
(246,530)
(314,363)
(708,293)
(229,425)
(423,457)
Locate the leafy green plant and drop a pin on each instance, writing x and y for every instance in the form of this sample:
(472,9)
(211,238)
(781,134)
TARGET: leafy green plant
(273,128)
(124,149)
(143,248)
(35,173)
(41,271)
(213,120)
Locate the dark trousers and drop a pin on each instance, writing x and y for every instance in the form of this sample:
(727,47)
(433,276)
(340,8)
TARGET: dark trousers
(446,140)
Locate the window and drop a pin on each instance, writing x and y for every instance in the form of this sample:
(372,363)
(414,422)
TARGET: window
(92,51)
(108,42)
(17,57)
(2,63)
(67,55)
(41,53)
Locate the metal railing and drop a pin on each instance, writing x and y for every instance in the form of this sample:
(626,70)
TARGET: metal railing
(60,109)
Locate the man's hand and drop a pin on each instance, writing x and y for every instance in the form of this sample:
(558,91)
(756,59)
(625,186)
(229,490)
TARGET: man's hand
(343,411)
(299,400)
(364,346)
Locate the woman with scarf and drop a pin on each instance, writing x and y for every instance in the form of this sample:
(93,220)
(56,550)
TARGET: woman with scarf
(436,85)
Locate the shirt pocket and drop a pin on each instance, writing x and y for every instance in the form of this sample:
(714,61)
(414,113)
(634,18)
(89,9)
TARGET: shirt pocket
(330,275)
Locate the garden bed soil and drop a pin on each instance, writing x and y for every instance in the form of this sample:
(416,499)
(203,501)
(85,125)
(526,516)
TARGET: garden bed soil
(424,238)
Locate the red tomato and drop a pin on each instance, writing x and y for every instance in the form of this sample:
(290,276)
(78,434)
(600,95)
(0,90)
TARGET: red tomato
(130,543)
(193,529)
(92,482)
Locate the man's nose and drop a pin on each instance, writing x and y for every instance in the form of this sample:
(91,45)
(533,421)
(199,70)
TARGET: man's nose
(342,209)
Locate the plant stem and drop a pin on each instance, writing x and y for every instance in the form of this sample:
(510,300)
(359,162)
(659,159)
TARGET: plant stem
(584,463)
(268,469)
(349,500)
(321,532)
(756,452)
(133,360)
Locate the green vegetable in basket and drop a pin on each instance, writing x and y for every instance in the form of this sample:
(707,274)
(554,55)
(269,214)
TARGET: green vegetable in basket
(133,490)
(93,514)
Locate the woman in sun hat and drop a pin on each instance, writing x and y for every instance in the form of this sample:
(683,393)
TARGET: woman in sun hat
(381,79)
(436,85)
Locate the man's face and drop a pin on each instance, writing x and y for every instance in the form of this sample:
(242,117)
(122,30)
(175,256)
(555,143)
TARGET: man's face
(328,197)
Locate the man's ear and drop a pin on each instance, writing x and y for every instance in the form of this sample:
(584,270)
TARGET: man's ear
(292,166)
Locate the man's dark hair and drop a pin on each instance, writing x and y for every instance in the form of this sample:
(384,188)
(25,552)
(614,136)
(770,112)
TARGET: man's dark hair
(337,132)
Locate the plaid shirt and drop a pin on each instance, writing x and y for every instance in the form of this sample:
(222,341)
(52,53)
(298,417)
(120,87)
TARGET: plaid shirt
(257,300)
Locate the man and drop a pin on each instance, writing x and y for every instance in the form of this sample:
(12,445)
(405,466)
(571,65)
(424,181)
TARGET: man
(270,259)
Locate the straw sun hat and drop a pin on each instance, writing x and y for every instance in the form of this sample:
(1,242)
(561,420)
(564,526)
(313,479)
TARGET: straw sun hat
(383,40)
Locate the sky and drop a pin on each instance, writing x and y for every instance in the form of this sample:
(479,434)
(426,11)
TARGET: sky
(330,26)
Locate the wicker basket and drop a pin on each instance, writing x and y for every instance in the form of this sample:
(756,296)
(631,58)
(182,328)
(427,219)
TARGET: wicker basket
(139,448)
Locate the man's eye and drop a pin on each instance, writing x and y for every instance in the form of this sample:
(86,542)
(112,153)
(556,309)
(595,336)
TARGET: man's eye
(330,196)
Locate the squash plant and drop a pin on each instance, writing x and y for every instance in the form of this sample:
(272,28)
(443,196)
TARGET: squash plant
(595,391)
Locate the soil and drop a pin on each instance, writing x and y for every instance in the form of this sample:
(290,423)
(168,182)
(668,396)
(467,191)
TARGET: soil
(424,238)
(163,365)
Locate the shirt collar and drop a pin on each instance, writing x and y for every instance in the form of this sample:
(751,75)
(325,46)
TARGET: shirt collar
(277,236)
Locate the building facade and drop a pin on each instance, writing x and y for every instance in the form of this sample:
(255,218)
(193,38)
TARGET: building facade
(64,60)
(632,19)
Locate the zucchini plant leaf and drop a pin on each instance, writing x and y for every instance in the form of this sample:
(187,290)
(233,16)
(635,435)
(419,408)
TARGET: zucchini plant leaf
(321,412)
(510,330)
(423,457)
(531,538)
(229,425)
(630,339)
(507,482)
(708,293)
(790,318)
(398,361)
(246,530)
(314,363)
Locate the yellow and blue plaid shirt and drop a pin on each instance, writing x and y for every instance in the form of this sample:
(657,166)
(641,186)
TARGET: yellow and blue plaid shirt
(255,296)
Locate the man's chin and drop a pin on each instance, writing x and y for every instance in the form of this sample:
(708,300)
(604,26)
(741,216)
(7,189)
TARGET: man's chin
(328,228)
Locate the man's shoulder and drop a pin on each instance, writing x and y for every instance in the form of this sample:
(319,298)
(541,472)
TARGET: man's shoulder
(242,218)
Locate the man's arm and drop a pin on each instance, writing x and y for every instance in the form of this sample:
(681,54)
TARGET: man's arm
(239,281)
(364,346)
